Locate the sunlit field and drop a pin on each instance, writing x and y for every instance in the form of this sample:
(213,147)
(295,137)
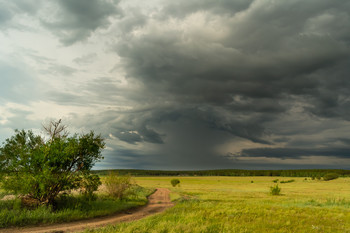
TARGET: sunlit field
(244,204)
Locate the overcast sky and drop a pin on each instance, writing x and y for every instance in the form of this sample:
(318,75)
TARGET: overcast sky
(186,84)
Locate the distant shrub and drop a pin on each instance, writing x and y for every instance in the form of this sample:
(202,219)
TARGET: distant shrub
(252,181)
(318,177)
(118,186)
(330,176)
(275,181)
(275,190)
(286,181)
(174,182)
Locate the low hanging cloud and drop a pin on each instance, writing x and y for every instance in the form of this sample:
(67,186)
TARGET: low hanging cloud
(295,153)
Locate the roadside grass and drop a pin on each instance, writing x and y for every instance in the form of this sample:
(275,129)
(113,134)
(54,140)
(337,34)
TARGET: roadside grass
(234,204)
(4,193)
(69,208)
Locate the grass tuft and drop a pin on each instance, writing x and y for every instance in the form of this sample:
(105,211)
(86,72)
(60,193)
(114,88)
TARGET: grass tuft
(275,190)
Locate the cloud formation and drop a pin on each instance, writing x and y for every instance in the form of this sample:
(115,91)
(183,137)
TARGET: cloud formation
(199,84)
(76,20)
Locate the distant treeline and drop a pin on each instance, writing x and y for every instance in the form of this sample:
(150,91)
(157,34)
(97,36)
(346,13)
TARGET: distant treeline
(229,172)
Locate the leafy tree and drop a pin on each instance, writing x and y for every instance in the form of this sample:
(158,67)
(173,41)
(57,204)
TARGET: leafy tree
(40,167)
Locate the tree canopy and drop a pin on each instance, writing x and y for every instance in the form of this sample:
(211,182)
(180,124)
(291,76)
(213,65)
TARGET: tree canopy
(38,167)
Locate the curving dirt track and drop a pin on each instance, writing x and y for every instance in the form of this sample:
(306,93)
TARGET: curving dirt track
(158,202)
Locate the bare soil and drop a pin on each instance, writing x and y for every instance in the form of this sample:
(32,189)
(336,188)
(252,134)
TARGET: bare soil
(158,202)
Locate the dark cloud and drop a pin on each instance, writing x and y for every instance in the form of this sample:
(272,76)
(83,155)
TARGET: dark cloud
(77,19)
(238,68)
(123,158)
(296,153)
(134,19)
(136,127)
(27,6)
(5,15)
(183,8)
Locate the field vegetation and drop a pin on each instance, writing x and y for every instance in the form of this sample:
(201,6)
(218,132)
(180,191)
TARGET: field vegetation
(69,207)
(175,182)
(236,204)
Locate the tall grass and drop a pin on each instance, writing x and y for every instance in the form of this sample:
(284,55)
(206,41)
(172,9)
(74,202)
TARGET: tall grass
(69,208)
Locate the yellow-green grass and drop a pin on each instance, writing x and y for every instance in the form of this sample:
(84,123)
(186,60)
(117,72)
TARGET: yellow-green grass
(234,204)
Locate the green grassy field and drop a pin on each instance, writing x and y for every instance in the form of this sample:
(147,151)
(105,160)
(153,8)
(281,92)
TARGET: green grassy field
(235,204)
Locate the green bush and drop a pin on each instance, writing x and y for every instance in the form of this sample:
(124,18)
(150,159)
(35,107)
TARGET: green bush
(174,182)
(275,190)
(118,186)
(330,176)
(275,181)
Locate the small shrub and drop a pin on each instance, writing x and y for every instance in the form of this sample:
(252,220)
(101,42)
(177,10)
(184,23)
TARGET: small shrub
(174,182)
(117,186)
(89,184)
(275,181)
(252,181)
(286,181)
(330,176)
(318,177)
(275,190)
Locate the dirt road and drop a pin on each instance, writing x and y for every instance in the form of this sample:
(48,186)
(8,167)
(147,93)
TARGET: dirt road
(158,202)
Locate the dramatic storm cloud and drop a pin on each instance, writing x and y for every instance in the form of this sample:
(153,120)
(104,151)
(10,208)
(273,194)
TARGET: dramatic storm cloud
(254,84)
